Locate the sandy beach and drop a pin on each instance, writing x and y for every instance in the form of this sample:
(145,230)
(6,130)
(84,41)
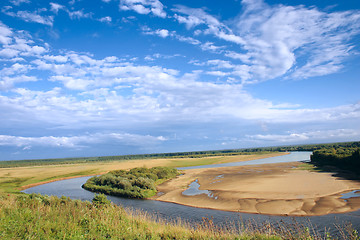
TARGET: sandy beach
(274,189)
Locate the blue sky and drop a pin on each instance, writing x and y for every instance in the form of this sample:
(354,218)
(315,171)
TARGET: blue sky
(110,77)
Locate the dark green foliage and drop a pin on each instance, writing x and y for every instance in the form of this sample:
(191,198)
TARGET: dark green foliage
(100,200)
(338,157)
(135,183)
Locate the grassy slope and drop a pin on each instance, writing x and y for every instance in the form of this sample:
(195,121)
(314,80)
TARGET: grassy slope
(40,217)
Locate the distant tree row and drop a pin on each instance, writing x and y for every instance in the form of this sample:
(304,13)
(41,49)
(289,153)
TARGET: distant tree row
(195,154)
(135,183)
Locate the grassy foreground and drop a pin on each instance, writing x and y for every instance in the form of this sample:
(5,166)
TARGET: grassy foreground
(41,217)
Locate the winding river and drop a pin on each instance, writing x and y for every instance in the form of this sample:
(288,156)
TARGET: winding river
(170,211)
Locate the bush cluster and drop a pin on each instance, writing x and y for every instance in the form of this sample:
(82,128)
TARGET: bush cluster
(345,158)
(135,183)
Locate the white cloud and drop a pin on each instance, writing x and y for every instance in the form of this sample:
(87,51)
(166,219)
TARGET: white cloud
(106,19)
(9,53)
(217,73)
(18,44)
(79,14)
(144,7)
(80,141)
(31,16)
(18,2)
(162,33)
(276,36)
(72,83)
(9,82)
(320,135)
(16,68)
(190,21)
(194,17)
(55,7)
(209,46)
(56,58)
(271,39)
(219,63)
(5,34)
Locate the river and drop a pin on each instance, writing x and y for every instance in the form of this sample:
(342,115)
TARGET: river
(170,211)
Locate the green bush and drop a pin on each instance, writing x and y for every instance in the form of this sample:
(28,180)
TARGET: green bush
(135,183)
(100,200)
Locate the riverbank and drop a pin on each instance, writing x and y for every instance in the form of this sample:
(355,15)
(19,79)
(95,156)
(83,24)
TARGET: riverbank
(274,189)
(15,179)
(37,216)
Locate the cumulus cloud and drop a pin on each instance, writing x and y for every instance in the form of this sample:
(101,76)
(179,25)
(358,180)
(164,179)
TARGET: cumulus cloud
(144,7)
(5,34)
(162,33)
(332,134)
(80,141)
(72,83)
(8,82)
(18,44)
(106,19)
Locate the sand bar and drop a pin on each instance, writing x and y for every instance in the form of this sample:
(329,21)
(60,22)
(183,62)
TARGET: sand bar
(274,189)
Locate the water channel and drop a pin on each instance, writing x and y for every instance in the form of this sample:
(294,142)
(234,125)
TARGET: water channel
(170,211)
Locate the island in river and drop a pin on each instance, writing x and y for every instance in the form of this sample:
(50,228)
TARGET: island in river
(276,189)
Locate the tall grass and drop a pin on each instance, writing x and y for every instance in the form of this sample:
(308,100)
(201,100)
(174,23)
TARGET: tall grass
(41,217)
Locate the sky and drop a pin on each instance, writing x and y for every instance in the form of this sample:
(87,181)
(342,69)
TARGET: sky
(112,77)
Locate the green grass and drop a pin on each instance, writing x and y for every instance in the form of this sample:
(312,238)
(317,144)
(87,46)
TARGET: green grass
(10,185)
(36,216)
(74,174)
(41,217)
(307,167)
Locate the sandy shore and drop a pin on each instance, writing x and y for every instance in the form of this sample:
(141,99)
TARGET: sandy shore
(57,172)
(276,189)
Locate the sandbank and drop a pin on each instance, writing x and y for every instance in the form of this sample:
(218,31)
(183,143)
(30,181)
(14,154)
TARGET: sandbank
(274,189)
(32,176)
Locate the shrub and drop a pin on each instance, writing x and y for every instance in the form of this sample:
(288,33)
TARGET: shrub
(135,183)
(100,200)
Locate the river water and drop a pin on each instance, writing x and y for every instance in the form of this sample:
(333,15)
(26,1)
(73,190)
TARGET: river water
(170,211)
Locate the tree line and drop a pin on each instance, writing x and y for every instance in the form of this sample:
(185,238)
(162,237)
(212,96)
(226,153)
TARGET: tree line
(193,154)
(338,158)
